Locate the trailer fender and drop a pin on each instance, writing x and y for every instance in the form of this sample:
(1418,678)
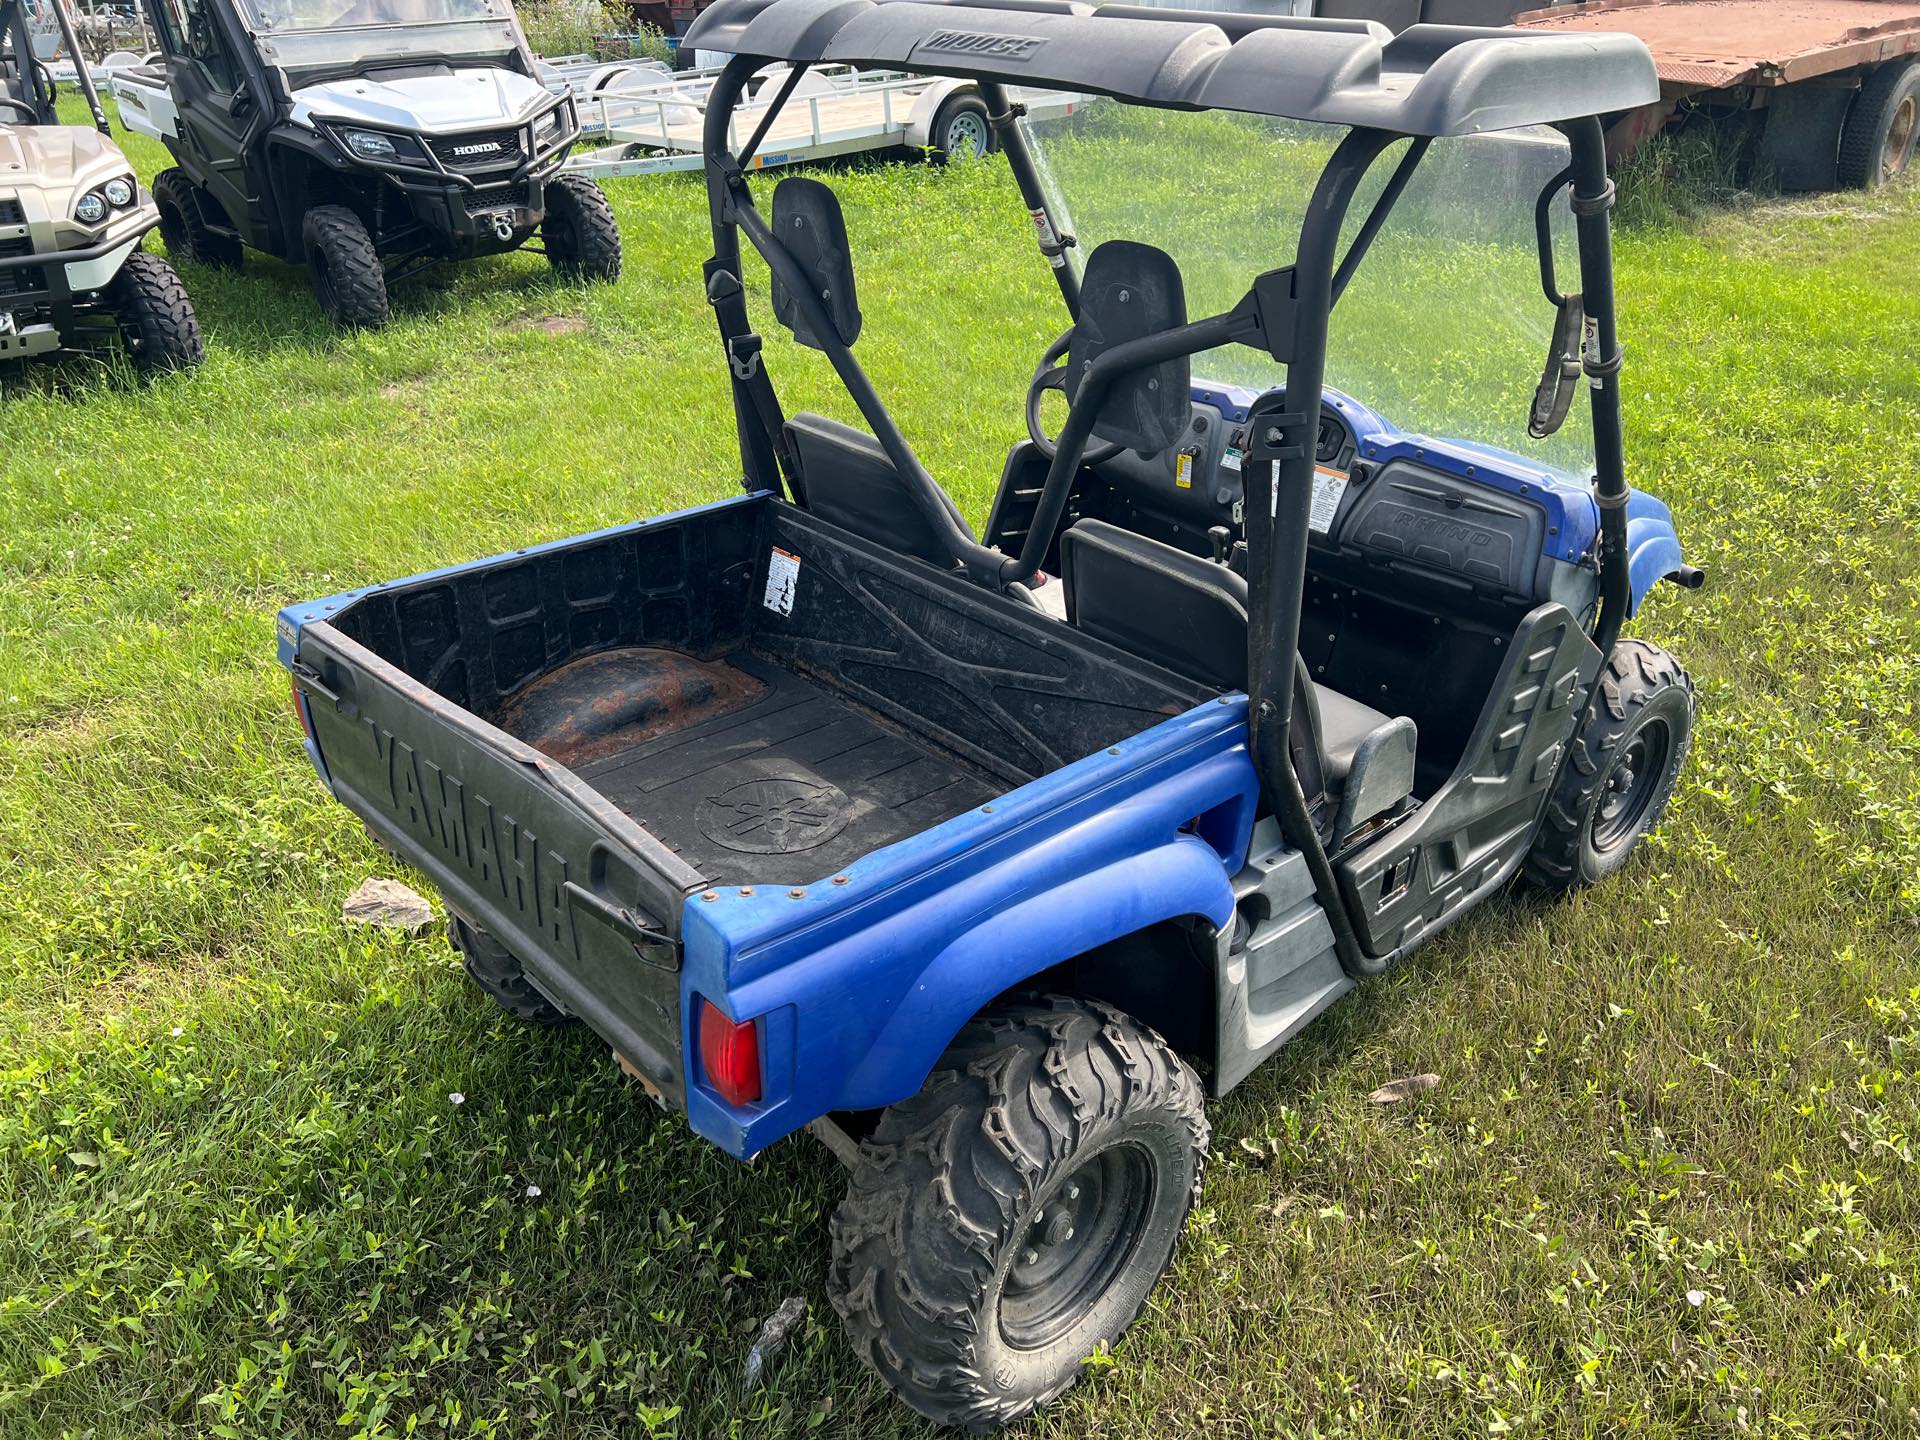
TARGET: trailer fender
(1183,877)
(926,105)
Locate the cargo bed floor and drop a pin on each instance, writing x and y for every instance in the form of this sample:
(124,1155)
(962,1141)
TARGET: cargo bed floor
(751,773)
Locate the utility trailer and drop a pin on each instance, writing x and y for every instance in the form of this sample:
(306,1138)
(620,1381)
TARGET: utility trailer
(1838,80)
(1830,88)
(649,120)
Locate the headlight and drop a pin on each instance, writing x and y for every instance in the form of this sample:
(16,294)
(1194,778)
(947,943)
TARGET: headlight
(91,209)
(370,146)
(120,192)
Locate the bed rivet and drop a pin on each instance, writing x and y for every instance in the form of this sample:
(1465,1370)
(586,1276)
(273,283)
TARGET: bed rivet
(709,895)
(796,894)
(839,879)
(746,889)
(1113,750)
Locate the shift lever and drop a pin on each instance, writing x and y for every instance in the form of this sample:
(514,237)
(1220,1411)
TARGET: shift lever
(1222,540)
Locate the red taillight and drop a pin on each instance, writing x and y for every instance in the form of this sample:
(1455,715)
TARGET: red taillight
(730,1054)
(300,710)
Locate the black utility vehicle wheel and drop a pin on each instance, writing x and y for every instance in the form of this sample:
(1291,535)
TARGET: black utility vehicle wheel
(1877,142)
(1621,770)
(1016,1212)
(157,327)
(495,970)
(183,224)
(347,275)
(582,239)
(960,129)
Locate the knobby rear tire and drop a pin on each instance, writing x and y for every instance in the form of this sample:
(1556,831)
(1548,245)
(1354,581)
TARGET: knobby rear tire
(499,974)
(183,224)
(1037,1116)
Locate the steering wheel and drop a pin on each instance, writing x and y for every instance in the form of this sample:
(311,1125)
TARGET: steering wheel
(1052,375)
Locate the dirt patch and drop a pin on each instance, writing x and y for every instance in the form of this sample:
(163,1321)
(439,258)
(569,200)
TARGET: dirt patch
(549,324)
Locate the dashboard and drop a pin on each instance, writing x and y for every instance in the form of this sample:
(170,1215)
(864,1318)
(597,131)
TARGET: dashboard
(1438,516)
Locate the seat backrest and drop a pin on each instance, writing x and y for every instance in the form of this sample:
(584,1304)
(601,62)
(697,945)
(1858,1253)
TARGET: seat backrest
(1180,611)
(851,483)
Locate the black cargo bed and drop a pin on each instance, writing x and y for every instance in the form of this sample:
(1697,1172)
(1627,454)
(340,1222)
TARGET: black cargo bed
(766,777)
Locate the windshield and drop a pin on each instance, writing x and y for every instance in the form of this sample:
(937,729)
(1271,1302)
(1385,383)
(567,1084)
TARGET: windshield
(312,38)
(284,16)
(1444,328)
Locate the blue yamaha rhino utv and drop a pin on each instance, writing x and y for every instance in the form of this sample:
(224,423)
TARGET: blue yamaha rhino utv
(989,859)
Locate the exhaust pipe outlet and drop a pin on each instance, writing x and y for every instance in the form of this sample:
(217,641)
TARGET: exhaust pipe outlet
(1687,578)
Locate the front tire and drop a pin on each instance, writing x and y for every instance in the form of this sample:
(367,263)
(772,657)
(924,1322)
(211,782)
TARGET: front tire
(581,235)
(1015,1213)
(158,330)
(348,279)
(183,224)
(1620,773)
(1882,129)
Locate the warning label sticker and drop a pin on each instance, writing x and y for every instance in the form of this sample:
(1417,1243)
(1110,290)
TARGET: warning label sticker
(783,579)
(1328,486)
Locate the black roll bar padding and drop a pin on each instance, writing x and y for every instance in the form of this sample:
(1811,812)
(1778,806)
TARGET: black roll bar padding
(1279,471)
(1592,198)
(1088,397)
(1543,233)
(756,410)
(731,208)
(1377,217)
(1004,116)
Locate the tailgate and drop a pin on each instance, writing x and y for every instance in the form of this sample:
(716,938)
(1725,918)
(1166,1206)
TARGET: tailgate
(586,899)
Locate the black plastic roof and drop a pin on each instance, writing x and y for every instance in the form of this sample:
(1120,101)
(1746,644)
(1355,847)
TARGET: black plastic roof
(1429,80)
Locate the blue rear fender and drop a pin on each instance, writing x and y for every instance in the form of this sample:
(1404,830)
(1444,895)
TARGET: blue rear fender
(860,986)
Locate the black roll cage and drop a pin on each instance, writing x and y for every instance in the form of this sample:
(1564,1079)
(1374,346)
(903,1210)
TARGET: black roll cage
(18,39)
(1286,312)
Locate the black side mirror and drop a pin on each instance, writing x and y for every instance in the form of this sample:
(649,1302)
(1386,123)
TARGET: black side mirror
(1129,291)
(808,222)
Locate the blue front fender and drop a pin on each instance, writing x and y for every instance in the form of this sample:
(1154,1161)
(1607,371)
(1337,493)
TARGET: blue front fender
(1653,546)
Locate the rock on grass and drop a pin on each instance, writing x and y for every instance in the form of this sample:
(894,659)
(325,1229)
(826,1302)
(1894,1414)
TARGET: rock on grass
(388,903)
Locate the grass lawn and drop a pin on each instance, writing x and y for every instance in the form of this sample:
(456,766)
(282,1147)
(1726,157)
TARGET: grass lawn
(1667,1184)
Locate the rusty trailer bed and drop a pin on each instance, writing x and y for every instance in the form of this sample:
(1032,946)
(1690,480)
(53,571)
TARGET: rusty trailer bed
(1718,44)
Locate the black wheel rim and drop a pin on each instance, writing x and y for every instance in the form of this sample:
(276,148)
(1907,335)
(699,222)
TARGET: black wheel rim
(1077,1244)
(966,135)
(1632,783)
